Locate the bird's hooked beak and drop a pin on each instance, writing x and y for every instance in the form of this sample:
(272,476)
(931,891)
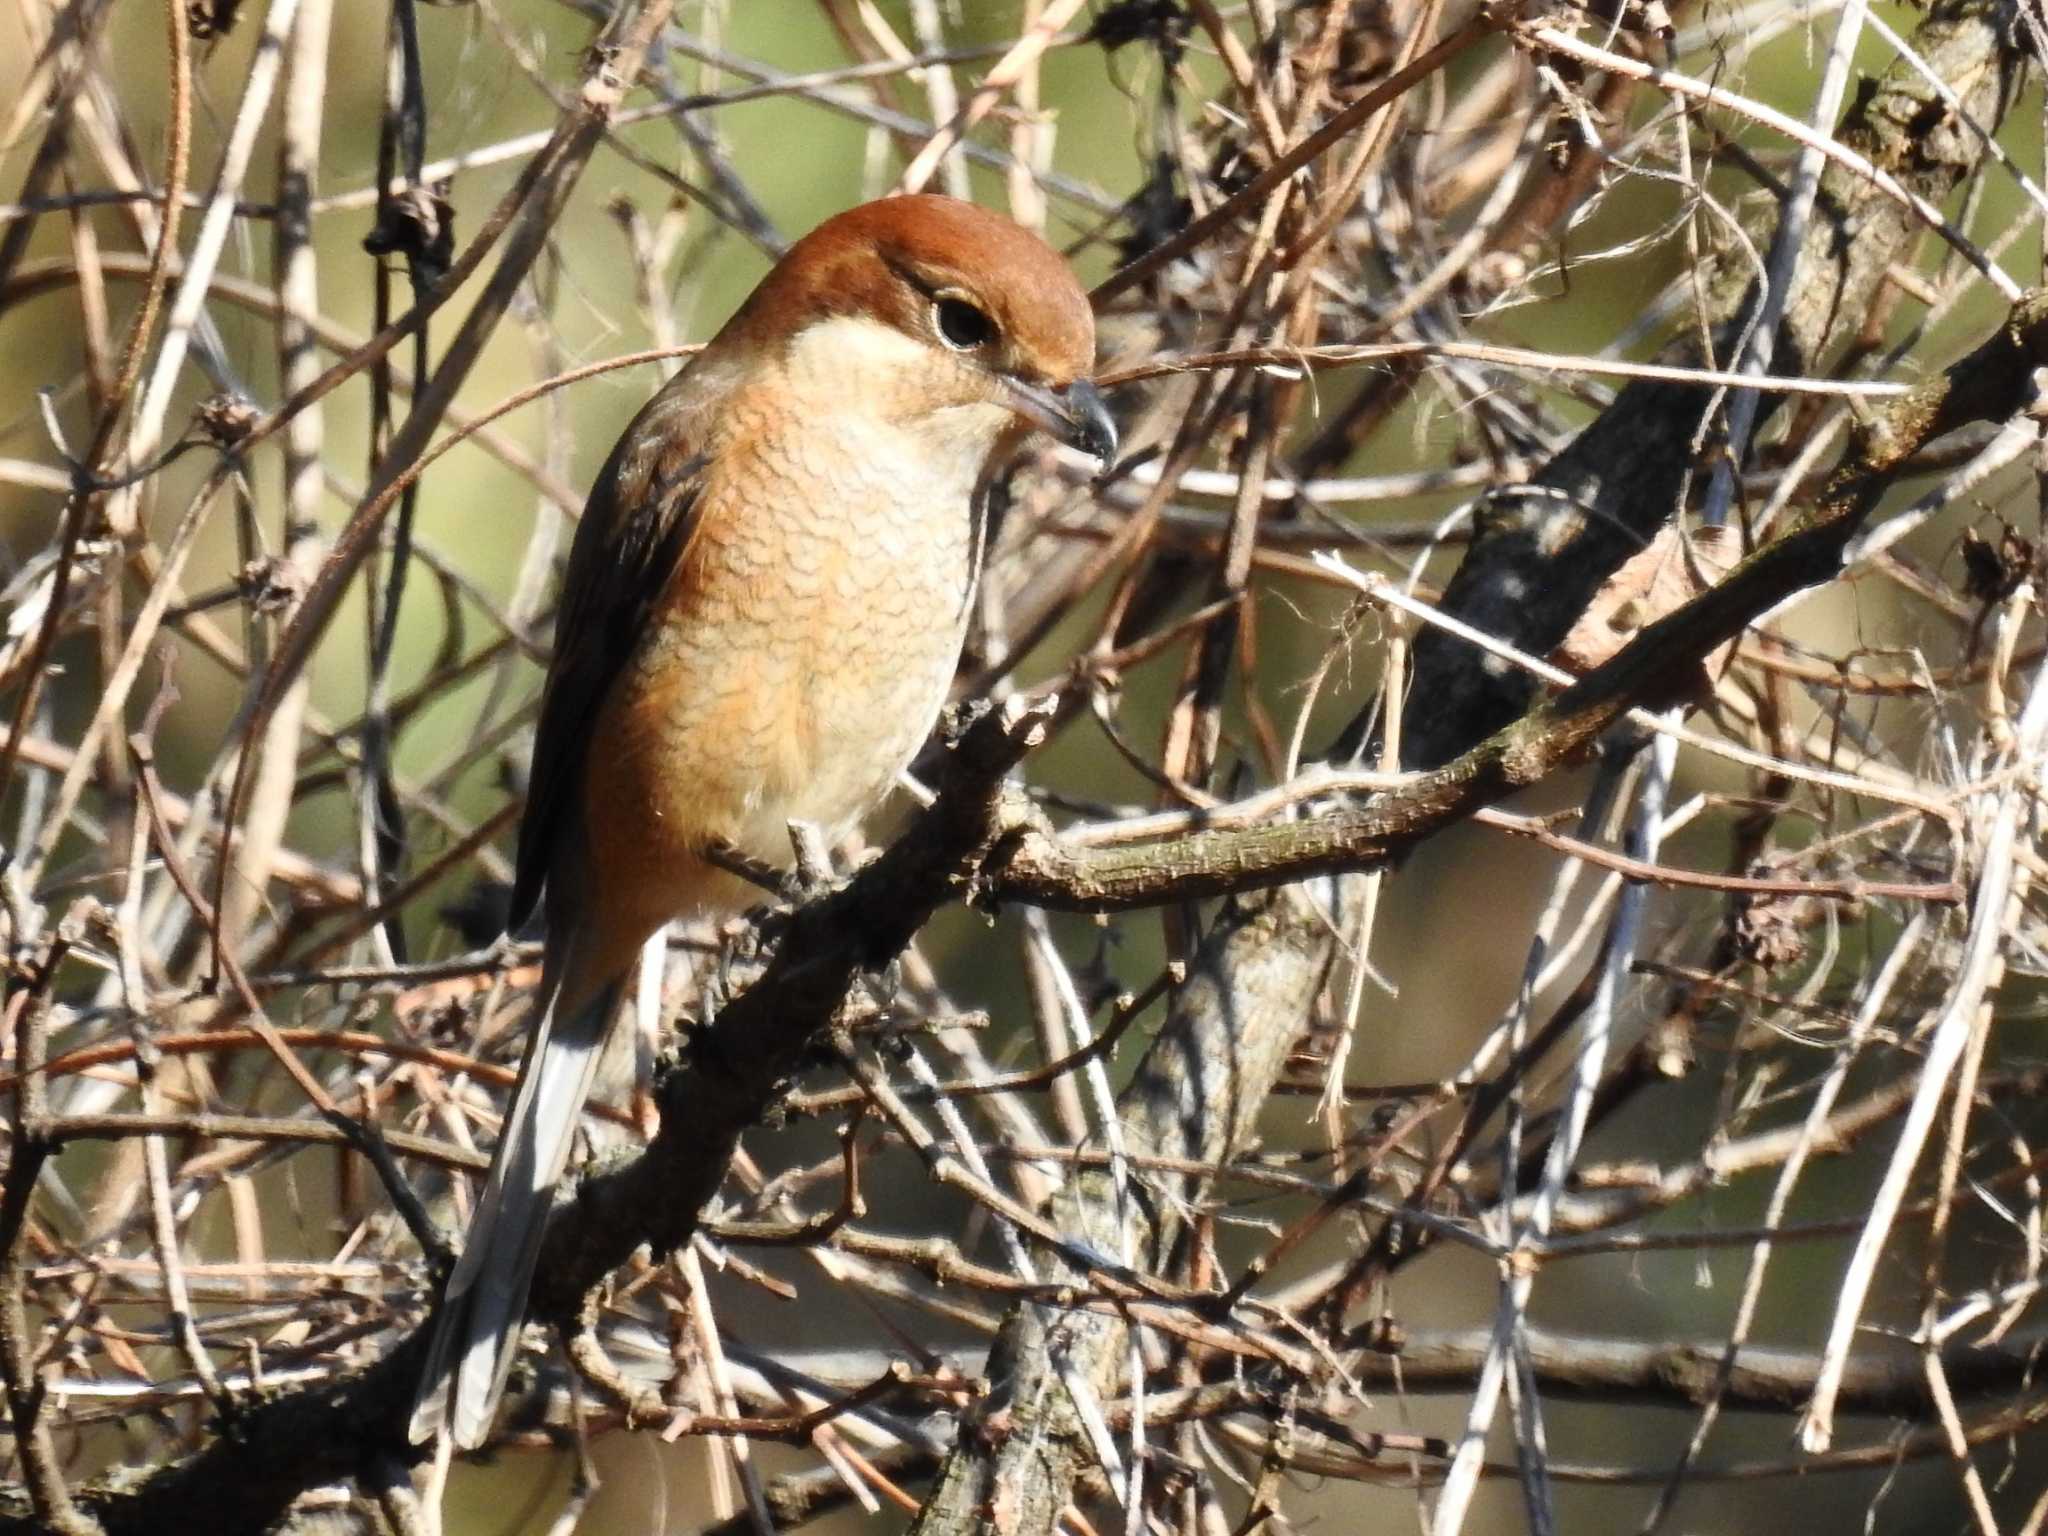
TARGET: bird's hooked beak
(1076,415)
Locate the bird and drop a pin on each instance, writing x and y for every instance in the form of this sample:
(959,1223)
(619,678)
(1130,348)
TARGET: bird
(761,618)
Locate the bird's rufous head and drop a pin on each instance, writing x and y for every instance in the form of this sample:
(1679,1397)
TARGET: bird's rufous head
(940,313)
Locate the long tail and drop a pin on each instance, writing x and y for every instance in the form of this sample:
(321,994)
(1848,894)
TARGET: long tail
(477,1325)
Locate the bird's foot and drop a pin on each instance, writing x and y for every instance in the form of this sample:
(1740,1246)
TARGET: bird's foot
(813,873)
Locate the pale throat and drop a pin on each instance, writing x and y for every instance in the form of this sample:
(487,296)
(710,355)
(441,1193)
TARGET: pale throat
(893,391)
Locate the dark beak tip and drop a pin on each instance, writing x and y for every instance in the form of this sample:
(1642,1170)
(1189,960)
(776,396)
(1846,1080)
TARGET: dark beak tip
(1093,428)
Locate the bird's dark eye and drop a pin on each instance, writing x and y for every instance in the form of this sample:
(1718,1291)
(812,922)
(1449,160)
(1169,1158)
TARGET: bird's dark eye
(962,325)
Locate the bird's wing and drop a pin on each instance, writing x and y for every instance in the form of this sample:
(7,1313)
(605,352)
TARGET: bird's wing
(641,515)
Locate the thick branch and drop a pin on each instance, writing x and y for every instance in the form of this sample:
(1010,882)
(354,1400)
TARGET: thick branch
(1668,1372)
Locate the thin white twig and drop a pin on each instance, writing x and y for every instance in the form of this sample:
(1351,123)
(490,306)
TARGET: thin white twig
(145,433)
(1981,968)
(1876,998)
(1595,1032)
(1006,70)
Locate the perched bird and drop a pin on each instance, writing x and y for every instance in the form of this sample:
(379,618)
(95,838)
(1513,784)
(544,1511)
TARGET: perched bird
(764,608)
